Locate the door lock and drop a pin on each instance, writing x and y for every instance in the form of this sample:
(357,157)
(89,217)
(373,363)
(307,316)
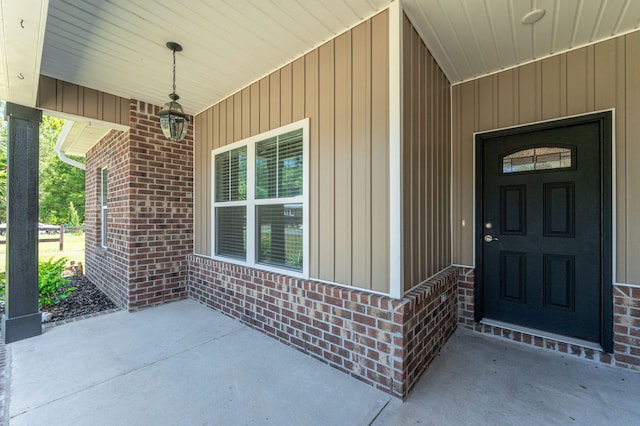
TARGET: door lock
(490,238)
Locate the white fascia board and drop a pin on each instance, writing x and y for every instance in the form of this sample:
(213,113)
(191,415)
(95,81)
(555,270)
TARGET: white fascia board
(22,31)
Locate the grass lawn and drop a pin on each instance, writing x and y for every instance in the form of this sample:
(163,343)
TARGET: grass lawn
(73,248)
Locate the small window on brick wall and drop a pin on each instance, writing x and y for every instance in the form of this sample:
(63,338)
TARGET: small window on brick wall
(260,209)
(103,207)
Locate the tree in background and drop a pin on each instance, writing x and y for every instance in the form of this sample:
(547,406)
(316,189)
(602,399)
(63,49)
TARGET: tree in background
(60,183)
(74,217)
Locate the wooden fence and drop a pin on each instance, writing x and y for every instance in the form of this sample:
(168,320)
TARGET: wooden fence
(60,238)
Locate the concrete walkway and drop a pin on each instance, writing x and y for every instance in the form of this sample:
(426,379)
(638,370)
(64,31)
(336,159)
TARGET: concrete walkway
(184,364)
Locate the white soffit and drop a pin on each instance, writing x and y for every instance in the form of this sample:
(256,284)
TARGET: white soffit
(471,38)
(22,30)
(84,132)
(118,46)
(82,137)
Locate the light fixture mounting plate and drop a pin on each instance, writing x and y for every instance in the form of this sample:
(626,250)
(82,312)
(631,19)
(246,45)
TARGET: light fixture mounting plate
(174,46)
(533,16)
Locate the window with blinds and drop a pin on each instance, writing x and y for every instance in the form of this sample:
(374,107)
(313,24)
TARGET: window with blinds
(230,188)
(231,175)
(279,175)
(103,207)
(279,166)
(260,200)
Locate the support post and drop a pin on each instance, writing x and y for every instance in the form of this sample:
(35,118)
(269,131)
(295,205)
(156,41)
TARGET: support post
(22,319)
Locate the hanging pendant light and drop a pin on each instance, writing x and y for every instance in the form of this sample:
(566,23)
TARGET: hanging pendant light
(173,121)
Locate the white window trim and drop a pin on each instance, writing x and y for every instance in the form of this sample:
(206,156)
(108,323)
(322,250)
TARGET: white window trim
(103,207)
(251,202)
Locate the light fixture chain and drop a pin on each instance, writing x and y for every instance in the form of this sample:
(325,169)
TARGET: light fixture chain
(174,71)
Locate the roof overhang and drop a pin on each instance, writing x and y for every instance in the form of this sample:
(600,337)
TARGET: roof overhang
(81,134)
(22,33)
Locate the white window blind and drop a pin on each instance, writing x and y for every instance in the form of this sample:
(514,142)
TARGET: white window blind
(279,172)
(279,166)
(260,200)
(231,175)
(230,188)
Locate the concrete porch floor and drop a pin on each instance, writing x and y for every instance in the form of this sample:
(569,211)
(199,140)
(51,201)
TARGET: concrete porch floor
(184,364)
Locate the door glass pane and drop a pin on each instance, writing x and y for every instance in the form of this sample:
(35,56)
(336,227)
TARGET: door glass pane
(543,158)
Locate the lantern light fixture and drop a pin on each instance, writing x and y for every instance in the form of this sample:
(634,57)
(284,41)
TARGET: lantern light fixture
(173,121)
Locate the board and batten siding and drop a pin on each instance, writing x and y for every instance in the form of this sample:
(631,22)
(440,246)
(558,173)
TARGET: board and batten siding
(69,98)
(597,77)
(426,170)
(343,88)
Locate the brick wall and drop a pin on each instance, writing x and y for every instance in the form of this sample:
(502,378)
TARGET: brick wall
(160,208)
(150,212)
(466,284)
(108,269)
(626,326)
(626,323)
(430,318)
(384,342)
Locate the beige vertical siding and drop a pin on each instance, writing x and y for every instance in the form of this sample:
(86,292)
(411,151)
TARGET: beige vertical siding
(58,95)
(342,87)
(426,162)
(596,77)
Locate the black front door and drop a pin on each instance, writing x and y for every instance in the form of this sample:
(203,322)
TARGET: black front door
(543,226)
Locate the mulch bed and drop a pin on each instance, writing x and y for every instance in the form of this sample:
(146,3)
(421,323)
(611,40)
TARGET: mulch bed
(86,299)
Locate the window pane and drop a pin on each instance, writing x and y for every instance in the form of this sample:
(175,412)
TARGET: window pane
(231,175)
(544,158)
(279,166)
(104,188)
(231,231)
(103,228)
(279,239)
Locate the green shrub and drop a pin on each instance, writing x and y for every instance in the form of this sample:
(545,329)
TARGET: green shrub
(3,281)
(52,287)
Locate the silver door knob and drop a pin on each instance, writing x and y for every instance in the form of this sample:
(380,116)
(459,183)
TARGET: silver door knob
(489,238)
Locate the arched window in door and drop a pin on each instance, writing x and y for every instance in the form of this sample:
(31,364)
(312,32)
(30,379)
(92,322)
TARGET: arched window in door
(540,158)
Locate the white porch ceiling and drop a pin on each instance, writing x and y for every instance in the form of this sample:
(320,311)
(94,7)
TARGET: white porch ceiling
(471,38)
(118,46)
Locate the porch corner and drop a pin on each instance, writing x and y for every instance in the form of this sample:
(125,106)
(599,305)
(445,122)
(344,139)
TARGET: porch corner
(149,228)
(384,342)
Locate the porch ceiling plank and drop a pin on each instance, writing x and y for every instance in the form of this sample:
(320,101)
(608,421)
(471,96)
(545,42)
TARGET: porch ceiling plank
(544,33)
(463,29)
(22,32)
(587,21)
(472,38)
(523,39)
(611,18)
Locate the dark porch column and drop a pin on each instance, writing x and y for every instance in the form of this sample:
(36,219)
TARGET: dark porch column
(22,319)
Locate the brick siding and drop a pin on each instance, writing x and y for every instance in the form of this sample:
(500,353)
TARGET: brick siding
(626,324)
(108,269)
(466,285)
(384,342)
(431,314)
(150,212)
